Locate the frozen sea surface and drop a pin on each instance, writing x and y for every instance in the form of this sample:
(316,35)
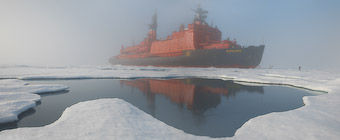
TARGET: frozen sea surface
(318,119)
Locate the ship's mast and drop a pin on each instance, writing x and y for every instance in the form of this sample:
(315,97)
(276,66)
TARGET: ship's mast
(153,28)
(153,25)
(200,15)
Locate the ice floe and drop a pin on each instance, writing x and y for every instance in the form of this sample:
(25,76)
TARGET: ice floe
(16,96)
(101,119)
(318,119)
(11,82)
(13,103)
(33,88)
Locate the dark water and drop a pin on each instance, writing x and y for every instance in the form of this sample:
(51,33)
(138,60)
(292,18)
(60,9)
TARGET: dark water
(207,107)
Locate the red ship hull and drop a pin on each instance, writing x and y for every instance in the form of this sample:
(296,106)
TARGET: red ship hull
(223,58)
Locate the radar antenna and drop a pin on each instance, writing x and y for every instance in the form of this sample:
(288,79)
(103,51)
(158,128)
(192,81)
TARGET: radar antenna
(200,15)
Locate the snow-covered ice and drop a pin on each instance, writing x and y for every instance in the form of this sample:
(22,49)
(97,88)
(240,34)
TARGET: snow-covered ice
(11,82)
(16,96)
(33,88)
(318,119)
(13,103)
(118,120)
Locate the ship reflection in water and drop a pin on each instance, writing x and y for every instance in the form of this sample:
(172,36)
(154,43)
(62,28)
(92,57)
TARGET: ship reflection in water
(197,95)
(210,107)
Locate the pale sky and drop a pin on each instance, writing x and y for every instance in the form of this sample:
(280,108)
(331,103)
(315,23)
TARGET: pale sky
(87,32)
